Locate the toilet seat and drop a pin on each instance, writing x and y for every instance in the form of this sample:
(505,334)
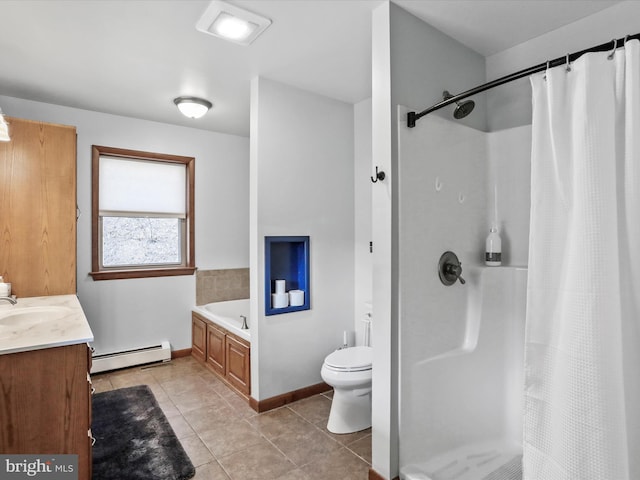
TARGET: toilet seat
(352,359)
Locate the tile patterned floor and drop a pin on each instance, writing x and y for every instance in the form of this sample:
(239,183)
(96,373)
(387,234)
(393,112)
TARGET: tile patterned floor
(227,440)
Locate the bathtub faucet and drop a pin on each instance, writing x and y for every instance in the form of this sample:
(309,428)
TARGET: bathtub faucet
(244,322)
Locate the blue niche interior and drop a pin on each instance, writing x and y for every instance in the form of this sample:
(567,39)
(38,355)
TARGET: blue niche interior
(286,258)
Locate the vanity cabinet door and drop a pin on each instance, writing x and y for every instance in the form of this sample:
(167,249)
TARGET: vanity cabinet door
(45,405)
(198,338)
(216,347)
(238,364)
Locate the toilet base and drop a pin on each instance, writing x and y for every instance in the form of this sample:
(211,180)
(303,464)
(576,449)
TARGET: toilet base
(350,411)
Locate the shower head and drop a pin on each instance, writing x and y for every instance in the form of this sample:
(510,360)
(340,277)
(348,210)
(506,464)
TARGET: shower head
(462,108)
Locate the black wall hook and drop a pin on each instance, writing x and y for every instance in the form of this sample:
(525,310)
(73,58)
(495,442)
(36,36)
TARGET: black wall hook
(379,176)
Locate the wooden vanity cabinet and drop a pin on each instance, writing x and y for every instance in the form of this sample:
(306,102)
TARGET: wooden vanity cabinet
(226,354)
(46,403)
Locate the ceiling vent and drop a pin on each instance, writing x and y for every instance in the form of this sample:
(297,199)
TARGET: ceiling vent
(232,23)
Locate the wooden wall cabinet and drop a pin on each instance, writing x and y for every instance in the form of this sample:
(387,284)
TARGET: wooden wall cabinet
(224,353)
(38,205)
(46,403)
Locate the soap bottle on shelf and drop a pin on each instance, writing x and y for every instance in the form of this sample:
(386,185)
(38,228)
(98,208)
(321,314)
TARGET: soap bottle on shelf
(493,250)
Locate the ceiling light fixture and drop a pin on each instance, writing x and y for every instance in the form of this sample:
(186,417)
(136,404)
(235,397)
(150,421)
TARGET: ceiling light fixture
(4,129)
(192,107)
(232,23)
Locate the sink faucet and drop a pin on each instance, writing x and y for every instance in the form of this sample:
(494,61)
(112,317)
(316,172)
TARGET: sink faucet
(11,300)
(244,322)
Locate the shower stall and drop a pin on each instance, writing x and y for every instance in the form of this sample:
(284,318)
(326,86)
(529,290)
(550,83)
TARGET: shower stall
(461,366)
(495,380)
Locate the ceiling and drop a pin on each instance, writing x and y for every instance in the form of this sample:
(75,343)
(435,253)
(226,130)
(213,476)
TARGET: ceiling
(133,57)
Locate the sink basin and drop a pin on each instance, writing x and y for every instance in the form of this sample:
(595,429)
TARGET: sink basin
(22,319)
(36,323)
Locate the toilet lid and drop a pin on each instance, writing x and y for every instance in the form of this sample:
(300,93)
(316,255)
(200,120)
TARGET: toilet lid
(352,358)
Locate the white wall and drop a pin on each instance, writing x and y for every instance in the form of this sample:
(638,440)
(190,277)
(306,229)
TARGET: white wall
(302,177)
(132,313)
(384,432)
(425,61)
(510,105)
(412,64)
(509,175)
(363,215)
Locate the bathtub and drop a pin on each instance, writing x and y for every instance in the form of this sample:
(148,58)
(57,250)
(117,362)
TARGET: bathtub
(227,315)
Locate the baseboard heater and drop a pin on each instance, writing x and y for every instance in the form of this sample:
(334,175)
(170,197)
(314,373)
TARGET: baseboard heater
(130,358)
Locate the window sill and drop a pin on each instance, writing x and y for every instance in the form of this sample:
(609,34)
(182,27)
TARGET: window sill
(142,273)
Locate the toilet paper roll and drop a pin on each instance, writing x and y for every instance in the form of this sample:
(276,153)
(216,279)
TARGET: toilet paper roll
(279,300)
(280,286)
(296,298)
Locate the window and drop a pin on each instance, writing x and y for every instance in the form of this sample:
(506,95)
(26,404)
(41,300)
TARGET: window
(142,214)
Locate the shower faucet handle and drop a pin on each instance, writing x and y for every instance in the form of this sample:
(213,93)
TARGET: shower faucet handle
(450,269)
(455,270)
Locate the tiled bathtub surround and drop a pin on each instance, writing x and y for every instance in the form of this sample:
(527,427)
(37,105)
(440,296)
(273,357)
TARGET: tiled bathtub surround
(227,440)
(221,285)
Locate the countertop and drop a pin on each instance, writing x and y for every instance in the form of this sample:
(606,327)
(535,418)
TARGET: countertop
(27,329)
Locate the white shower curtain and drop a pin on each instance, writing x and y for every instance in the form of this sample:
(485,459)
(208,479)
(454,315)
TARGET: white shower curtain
(582,366)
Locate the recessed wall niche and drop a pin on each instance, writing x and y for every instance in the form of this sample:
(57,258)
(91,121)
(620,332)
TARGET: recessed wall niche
(286,274)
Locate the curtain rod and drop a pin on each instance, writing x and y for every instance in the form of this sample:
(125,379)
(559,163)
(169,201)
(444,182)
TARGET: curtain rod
(412,117)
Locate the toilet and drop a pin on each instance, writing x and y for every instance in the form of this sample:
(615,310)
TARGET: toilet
(348,371)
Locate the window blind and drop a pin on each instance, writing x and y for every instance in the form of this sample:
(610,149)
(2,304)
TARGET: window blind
(139,186)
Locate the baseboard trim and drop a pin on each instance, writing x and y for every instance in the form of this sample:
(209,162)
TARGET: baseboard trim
(180,353)
(289,397)
(373,475)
